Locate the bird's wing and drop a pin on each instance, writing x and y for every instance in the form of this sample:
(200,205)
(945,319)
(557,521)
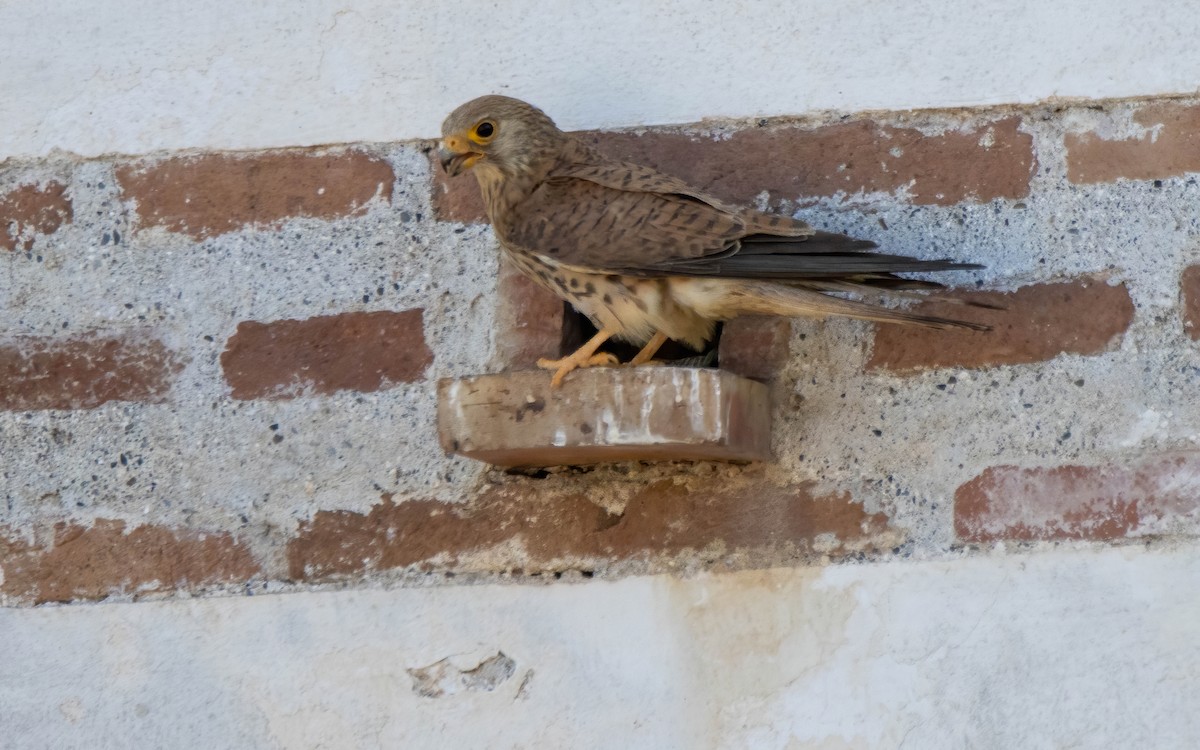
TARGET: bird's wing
(630,219)
(824,255)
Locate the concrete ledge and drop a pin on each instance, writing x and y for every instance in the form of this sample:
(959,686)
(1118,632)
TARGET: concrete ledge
(647,413)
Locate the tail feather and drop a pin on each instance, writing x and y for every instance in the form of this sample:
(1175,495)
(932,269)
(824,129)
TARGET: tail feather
(759,298)
(876,290)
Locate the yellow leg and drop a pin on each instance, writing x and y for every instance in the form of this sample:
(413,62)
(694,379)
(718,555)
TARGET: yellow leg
(584,356)
(649,350)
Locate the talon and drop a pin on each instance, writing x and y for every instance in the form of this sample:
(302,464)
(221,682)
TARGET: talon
(584,356)
(561,373)
(563,367)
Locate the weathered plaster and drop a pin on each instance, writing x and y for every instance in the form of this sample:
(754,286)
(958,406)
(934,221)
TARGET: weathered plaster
(1063,649)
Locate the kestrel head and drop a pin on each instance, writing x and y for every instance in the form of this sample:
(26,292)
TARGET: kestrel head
(497,131)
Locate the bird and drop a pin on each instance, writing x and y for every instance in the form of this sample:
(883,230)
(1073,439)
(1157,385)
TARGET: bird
(646,256)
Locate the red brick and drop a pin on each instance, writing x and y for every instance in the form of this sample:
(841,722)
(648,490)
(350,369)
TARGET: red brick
(107,559)
(755,347)
(1039,322)
(217,193)
(529,319)
(792,162)
(1102,503)
(1169,148)
(31,210)
(84,372)
(359,351)
(1190,294)
(561,527)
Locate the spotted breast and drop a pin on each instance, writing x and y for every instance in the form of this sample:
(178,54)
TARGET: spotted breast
(635,307)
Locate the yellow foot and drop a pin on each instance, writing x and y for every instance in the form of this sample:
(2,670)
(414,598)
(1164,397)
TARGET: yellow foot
(565,365)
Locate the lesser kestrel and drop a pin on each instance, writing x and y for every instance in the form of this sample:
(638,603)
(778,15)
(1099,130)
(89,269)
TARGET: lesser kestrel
(647,257)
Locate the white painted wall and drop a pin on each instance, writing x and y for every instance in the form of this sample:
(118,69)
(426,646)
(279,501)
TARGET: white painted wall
(1082,649)
(133,76)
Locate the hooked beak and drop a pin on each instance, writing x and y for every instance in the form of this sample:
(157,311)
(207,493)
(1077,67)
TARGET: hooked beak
(456,155)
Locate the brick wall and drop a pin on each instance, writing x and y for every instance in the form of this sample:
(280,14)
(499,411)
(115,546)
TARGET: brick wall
(217,371)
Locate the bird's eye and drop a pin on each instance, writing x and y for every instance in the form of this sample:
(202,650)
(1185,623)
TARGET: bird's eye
(485,129)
